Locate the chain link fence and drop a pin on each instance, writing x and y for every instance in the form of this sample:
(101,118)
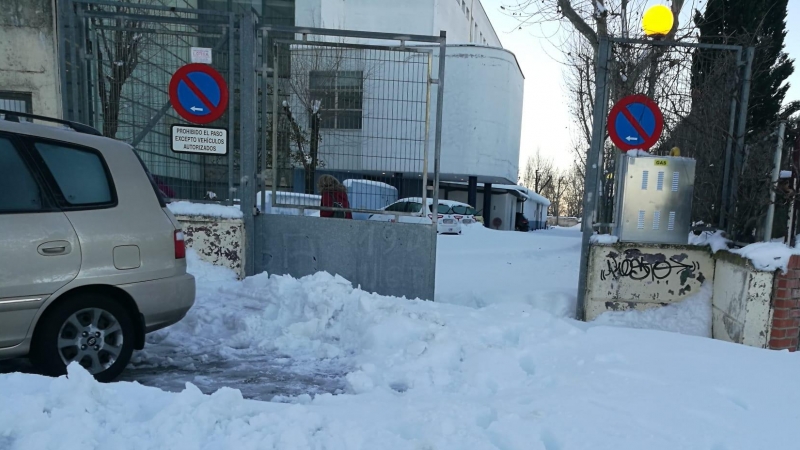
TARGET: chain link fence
(119,59)
(352,115)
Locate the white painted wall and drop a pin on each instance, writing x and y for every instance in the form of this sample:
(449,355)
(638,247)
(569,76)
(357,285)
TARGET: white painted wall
(481,119)
(626,276)
(28,62)
(741,302)
(217,241)
(460,18)
(423,17)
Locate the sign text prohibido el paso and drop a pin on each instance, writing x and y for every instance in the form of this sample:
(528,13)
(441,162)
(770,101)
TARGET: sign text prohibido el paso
(199,140)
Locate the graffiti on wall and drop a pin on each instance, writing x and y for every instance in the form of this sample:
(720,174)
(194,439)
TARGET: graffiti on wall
(635,265)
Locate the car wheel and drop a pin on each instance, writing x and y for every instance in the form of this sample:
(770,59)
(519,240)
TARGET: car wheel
(93,330)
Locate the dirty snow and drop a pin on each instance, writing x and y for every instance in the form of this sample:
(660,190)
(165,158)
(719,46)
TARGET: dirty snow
(184,208)
(691,316)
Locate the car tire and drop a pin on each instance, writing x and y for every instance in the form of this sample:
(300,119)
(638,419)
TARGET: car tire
(91,329)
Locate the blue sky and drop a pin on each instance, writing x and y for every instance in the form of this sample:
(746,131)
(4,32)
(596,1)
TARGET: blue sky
(546,120)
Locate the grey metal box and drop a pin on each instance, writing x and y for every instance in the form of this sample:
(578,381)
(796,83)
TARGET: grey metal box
(656,200)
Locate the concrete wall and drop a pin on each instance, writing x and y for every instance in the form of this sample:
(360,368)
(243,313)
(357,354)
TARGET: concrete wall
(639,276)
(28,49)
(741,301)
(217,241)
(388,258)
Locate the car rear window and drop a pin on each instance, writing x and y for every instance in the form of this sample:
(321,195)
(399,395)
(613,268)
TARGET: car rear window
(464,210)
(444,209)
(80,174)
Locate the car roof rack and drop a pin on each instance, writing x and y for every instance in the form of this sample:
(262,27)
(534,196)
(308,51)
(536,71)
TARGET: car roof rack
(13,116)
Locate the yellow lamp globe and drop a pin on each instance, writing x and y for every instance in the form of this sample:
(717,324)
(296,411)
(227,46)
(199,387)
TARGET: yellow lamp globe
(657,21)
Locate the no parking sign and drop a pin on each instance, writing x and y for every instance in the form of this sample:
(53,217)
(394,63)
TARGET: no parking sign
(198,93)
(635,122)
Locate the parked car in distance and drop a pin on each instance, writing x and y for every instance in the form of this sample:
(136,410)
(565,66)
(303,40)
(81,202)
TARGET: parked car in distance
(446,221)
(521,223)
(91,259)
(369,195)
(463,212)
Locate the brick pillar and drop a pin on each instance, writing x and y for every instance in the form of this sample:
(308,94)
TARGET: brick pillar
(785,327)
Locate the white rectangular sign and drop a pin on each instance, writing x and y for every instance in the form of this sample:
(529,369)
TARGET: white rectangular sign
(200,140)
(201,55)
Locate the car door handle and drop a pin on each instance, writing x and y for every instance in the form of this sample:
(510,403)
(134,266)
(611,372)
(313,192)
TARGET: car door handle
(55,248)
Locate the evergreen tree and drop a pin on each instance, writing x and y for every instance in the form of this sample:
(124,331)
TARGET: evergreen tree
(758,23)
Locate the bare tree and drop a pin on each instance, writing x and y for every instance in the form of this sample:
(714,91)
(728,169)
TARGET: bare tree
(538,172)
(573,194)
(118,55)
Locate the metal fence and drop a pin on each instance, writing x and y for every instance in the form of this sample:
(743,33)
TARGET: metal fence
(352,113)
(117,62)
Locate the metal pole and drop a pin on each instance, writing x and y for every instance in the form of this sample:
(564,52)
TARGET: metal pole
(776,172)
(726,173)
(265,72)
(63,9)
(439,113)
(590,181)
(426,147)
(231,96)
(248,136)
(740,133)
(275,179)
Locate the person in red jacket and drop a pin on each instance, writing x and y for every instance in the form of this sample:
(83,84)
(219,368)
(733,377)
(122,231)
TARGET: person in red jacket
(334,195)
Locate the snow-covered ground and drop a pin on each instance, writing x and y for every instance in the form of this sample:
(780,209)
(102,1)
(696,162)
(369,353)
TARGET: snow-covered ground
(500,369)
(483,267)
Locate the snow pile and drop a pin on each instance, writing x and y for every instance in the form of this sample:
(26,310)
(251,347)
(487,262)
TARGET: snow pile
(484,267)
(603,239)
(638,153)
(426,376)
(767,256)
(692,316)
(715,240)
(184,208)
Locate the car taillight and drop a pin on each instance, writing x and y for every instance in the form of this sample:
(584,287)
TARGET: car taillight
(180,245)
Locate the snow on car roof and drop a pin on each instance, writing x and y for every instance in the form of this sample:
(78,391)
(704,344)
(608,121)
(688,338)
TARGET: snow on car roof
(352,181)
(430,201)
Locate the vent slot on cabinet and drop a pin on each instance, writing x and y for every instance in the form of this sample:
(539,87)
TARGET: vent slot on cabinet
(645,175)
(660,182)
(640,225)
(671,223)
(675,179)
(656,220)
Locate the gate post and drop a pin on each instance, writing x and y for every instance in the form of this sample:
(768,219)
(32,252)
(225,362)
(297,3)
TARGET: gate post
(247,132)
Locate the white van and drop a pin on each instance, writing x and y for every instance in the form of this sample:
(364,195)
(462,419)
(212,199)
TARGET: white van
(368,194)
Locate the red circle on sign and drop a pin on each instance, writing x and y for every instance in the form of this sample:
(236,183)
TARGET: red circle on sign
(621,108)
(215,111)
